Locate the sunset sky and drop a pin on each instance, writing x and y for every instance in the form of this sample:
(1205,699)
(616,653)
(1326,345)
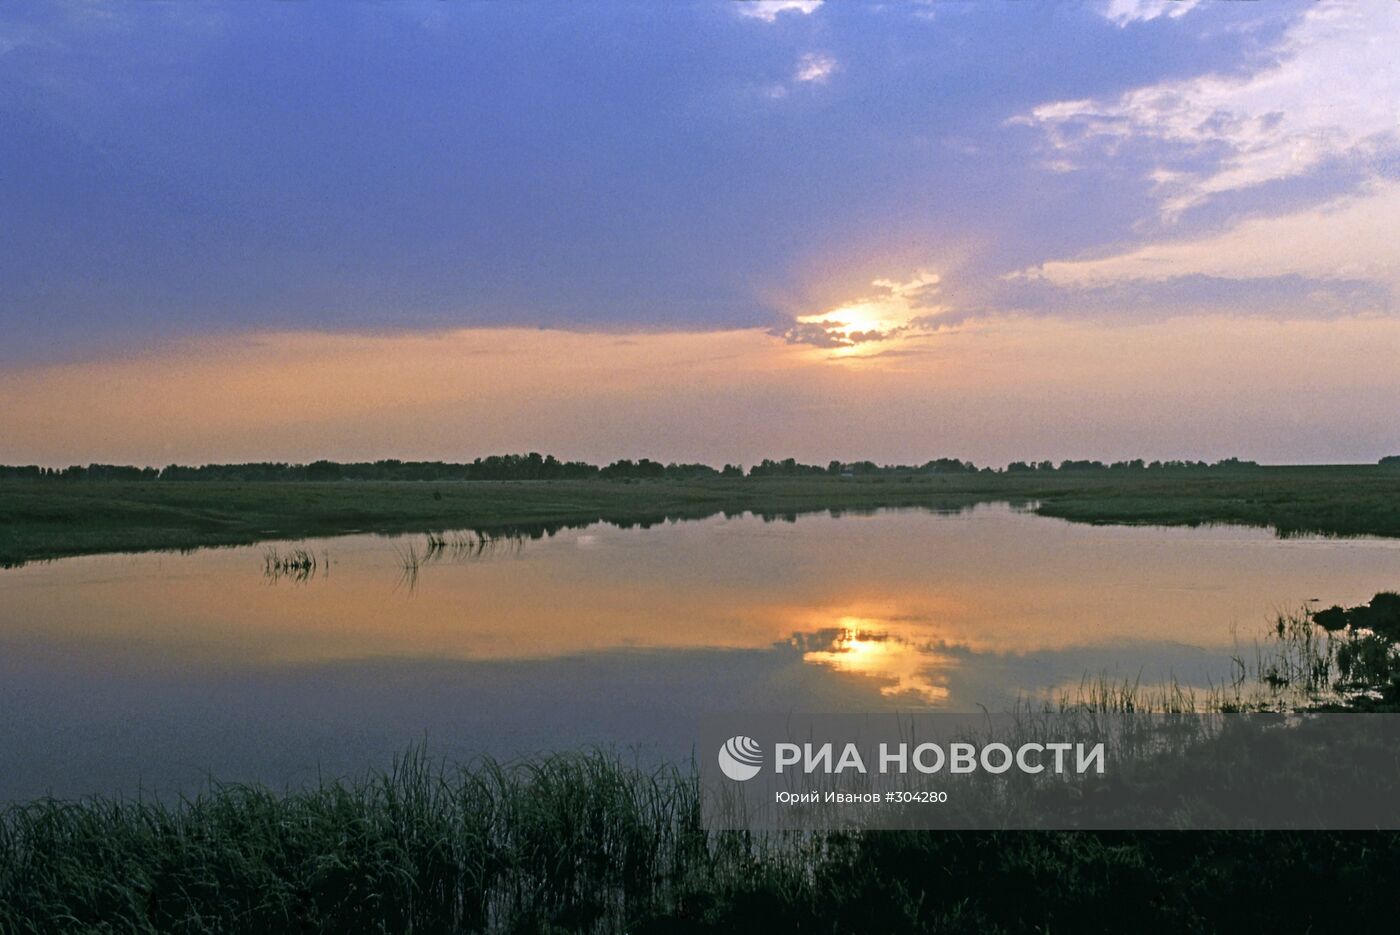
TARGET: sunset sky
(699,231)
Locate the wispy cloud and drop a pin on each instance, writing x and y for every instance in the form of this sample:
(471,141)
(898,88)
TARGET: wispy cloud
(1325,92)
(769,10)
(814,67)
(1124,12)
(1355,238)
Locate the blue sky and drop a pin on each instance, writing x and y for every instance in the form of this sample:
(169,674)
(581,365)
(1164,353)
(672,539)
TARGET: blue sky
(855,178)
(175,168)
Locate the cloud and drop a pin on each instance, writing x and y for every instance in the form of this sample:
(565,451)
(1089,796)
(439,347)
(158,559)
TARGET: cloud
(1354,238)
(769,10)
(1194,296)
(817,334)
(1124,12)
(917,292)
(814,67)
(993,391)
(1326,91)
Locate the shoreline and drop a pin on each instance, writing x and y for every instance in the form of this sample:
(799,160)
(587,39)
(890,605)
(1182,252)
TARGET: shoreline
(50,519)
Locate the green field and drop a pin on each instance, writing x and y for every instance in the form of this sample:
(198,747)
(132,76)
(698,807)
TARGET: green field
(53,518)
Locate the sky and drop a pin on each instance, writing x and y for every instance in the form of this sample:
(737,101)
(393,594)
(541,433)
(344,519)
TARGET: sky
(711,231)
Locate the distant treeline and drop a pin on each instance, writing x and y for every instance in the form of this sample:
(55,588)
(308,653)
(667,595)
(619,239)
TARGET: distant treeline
(534,466)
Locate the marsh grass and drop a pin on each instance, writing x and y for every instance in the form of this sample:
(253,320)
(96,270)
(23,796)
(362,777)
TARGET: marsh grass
(580,842)
(1292,664)
(298,564)
(592,843)
(470,545)
(1303,664)
(410,565)
(457,546)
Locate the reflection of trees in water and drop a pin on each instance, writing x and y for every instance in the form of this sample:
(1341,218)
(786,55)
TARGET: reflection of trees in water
(534,531)
(466,545)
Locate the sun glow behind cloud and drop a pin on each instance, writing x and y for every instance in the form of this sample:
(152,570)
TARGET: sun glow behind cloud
(866,325)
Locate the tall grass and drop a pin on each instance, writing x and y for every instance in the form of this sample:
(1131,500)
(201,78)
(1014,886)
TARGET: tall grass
(579,841)
(589,843)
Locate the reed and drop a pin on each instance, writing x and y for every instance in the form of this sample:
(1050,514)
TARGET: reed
(582,842)
(298,564)
(410,564)
(469,545)
(592,843)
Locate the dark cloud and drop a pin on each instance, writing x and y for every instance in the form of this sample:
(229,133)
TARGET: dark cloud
(822,334)
(1279,297)
(817,335)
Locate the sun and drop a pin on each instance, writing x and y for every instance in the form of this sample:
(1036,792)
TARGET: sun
(863,317)
(856,326)
(857,319)
(865,326)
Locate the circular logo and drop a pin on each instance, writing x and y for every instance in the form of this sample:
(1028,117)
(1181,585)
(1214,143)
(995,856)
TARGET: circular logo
(740,758)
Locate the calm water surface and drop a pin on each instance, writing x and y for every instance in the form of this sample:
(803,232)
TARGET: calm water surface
(154,671)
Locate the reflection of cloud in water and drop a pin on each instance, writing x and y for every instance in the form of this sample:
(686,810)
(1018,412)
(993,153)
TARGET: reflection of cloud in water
(869,648)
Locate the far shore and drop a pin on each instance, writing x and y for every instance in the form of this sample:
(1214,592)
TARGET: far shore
(52,518)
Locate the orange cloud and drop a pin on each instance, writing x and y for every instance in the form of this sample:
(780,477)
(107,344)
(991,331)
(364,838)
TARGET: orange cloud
(991,391)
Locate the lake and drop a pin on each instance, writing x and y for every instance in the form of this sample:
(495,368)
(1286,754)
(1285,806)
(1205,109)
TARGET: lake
(151,672)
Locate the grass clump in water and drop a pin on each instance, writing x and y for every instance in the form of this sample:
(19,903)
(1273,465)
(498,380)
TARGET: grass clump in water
(298,564)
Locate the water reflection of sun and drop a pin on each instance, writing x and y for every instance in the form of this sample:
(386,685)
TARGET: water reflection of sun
(863,647)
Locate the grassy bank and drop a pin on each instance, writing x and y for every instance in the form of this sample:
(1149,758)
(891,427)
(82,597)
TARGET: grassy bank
(48,519)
